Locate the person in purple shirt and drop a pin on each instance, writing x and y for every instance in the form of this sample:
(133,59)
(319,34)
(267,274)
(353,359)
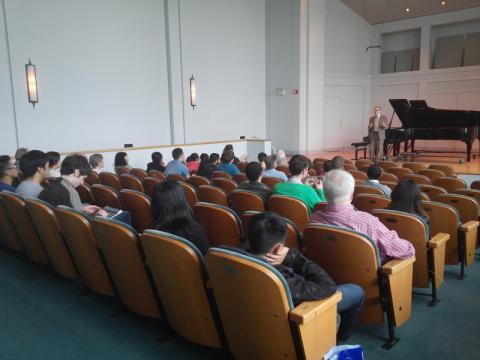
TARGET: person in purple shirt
(176,166)
(226,164)
(8,172)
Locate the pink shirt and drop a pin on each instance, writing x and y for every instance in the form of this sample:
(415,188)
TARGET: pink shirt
(390,245)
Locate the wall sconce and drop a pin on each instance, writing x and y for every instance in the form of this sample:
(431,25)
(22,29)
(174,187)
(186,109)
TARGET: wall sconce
(193,92)
(31,73)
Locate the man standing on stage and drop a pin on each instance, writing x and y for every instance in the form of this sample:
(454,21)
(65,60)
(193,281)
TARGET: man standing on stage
(376,133)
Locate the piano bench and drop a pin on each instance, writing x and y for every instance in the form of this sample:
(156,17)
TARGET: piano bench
(359,146)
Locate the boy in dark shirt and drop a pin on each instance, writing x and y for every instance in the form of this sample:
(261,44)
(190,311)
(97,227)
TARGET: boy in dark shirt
(306,280)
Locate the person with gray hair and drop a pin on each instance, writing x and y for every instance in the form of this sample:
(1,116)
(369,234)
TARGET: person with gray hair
(338,186)
(270,171)
(96,162)
(282,158)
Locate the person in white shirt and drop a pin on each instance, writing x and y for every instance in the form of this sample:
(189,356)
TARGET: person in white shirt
(374,172)
(270,171)
(96,162)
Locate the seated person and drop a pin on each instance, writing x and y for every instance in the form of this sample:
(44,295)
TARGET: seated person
(270,171)
(306,280)
(53,164)
(261,159)
(204,157)
(18,154)
(97,163)
(61,191)
(157,162)
(172,214)
(121,159)
(193,162)
(215,159)
(236,160)
(8,173)
(327,166)
(34,168)
(337,163)
(406,198)
(226,164)
(374,172)
(254,175)
(295,186)
(338,186)
(176,166)
(281,158)
(206,169)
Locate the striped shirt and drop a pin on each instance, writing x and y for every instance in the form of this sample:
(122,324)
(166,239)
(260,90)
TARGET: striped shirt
(389,244)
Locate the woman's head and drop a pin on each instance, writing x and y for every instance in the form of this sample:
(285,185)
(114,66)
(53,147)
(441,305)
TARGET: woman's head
(169,206)
(157,157)
(193,157)
(121,159)
(406,197)
(204,157)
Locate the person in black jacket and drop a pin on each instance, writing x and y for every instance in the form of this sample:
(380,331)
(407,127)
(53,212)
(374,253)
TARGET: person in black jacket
(306,280)
(254,175)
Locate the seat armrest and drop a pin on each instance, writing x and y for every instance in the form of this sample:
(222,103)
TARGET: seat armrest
(309,310)
(396,265)
(469,226)
(438,240)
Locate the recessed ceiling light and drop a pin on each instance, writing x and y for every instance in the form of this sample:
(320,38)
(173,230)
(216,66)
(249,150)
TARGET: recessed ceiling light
(407,10)
(443,3)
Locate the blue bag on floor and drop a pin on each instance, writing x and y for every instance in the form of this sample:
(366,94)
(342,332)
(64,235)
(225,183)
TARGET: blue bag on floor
(345,352)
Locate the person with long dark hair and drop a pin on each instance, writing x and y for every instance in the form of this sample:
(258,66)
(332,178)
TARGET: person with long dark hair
(157,162)
(193,162)
(172,214)
(406,197)
(121,159)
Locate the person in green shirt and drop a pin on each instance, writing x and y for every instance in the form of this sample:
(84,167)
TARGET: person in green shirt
(300,185)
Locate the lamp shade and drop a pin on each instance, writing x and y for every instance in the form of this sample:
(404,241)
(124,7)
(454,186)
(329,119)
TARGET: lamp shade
(32,90)
(193,92)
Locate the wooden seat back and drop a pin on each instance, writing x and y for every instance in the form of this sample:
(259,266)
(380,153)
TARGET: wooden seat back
(239,178)
(414,166)
(385,165)
(241,166)
(149,184)
(48,229)
(177,177)
(290,208)
(362,162)
(270,181)
(466,206)
(432,174)
(388,177)
(105,196)
(417,179)
(213,195)
(358,175)
(111,180)
(22,223)
(196,181)
(139,173)
(226,184)
(349,167)
(120,170)
(85,193)
(284,169)
(369,202)
(448,170)
(450,183)
(179,274)
(473,193)
(221,175)
(475,185)
(432,190)
(222,226)
(8,234)
(92,178)
(120,246)
(399,172)
(366,189)
(244,200)
(190,193)
(157,174)
(139,206)
(82,244)
(131,182)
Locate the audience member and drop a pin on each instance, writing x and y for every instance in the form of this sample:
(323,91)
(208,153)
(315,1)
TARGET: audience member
(176,166)
(254,175)
(227,165)
(374,172)
(172,214)
(8,172)
(204,157)
(295,186)
(339,186)
(206,169)
(327,166)
(121,159)
(261,159)
(193,162)
(214,158)
(270,171)
(34,167)
(96,162)
(157,162)
(53,164)
(18,155)
(281,158)
(306,280)
(406,198)
(229,147)
(337,163)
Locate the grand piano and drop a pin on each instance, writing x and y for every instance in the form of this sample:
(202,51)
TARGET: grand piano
(421,122)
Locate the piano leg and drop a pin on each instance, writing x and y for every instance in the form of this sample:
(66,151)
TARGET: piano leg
(469,150)
(412,145)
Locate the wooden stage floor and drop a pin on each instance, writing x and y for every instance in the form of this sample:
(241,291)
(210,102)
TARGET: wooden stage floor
(472,167)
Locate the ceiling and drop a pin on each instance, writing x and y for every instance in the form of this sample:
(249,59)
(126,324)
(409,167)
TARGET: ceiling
(380,11)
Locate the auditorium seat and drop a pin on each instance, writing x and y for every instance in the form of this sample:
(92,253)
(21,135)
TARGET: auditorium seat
(475,185)
(213,195)
(197,181)
(312,172)
(221,175)
(131,182)
(399,172)
(450,183)
(469,192)
(388,177)
(270,181)
(350,257)
(157,174)
(139,206)
(448,170)
(319,206)
(241,166)
(111,180)
(358,175)
(179,274)
(290,208)
(244,200)
(120,170)
(262,323)
(190,193)
(424,196)
(417,179)
(284,169)
(222,226)
(460,248)
(414,166)
(349,167)
(432,174)
(139,173)
(120,247)
(92,178)
(391,185)
(429,266)
(369,202)
(363,168)
(85,193)
(105,196)
(226,184)
(385,164)
(81,242)
(242,177)
(362,162)
(432,190)
(149,184)
(177,177)
(22,223)
(8,233)
(366,189)
(48,230)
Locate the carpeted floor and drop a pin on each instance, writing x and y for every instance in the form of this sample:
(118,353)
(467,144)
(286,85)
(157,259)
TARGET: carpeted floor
(43,317)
